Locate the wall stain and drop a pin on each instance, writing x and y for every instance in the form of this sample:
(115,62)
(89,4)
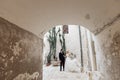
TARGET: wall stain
(20,52)
(87,16)
(115,46)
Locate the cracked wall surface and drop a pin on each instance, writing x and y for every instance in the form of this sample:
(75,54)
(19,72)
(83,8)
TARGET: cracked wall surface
(20,53)
(108,52)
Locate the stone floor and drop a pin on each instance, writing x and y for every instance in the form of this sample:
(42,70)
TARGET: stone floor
(53,73)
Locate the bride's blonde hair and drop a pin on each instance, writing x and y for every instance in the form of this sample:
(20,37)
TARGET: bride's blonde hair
(67,53)
(71,55)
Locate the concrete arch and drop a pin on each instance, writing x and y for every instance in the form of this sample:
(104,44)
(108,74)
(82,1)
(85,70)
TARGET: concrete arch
(37,16)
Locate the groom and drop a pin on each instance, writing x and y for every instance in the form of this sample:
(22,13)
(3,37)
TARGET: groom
(62,60)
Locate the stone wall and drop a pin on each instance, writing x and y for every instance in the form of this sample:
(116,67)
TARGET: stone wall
(108,52)
(20,53)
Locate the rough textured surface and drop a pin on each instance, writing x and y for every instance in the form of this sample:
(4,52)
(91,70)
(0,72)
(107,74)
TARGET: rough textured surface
(20,53)
(108,52)
(111,22)
(115,46)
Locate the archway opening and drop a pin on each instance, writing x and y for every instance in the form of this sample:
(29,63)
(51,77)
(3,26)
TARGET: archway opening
(77,44)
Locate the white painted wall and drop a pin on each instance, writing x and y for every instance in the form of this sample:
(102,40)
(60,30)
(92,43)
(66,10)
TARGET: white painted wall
(71,39)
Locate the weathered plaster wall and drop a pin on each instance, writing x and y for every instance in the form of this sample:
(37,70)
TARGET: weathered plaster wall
(20,53)
(108,52)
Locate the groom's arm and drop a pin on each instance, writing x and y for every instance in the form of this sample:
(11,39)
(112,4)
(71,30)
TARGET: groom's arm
(59,57)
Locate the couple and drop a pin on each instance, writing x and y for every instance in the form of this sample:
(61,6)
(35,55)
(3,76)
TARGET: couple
(72,64)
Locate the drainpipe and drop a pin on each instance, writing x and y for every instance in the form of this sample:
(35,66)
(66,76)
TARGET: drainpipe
(80,38)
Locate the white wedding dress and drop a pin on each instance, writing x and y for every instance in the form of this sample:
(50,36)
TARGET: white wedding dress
(72,65)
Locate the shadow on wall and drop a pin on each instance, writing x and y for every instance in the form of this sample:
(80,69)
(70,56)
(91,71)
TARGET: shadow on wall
(20,53)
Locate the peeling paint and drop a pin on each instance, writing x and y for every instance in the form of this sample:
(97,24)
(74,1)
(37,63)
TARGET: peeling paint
(16,49)
(115,46)
(20,52)
(108,57)
(27,76)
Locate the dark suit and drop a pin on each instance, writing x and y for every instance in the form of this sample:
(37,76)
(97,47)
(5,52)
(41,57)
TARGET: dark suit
(62,60)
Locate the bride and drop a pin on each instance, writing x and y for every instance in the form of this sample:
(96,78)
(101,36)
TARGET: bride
(71,64)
